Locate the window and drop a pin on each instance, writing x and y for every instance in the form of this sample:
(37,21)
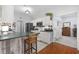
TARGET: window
(5,28)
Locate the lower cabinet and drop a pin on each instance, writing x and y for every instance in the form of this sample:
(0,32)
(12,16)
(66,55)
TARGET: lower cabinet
(46,37)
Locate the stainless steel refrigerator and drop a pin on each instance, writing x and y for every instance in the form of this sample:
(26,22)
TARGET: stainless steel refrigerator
(29,27)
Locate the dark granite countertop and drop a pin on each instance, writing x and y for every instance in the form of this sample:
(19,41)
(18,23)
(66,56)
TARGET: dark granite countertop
(47,31)
(15,35)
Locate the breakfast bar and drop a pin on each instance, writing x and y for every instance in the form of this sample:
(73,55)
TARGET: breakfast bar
(13,43)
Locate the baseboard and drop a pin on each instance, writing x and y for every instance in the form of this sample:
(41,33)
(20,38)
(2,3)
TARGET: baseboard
(42,41)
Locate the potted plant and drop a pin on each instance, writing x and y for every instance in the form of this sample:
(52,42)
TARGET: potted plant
(49,14)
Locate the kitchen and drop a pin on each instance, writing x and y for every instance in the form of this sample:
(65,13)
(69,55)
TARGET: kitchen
(20,21)
(12,31)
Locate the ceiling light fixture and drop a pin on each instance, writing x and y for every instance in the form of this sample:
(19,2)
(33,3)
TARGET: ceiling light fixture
(28,10)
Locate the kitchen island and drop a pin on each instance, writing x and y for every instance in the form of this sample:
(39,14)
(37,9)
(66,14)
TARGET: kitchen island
(13,43)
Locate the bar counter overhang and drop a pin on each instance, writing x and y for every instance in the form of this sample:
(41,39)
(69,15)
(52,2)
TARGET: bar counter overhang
(13,43)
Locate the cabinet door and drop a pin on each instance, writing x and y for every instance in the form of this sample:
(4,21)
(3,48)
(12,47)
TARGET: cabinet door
(45,37)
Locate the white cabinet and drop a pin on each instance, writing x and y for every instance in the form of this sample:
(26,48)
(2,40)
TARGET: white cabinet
(46,37)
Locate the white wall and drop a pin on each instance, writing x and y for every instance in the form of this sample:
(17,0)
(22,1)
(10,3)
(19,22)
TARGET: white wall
(56,27)
(78,29)
(0,12)
(8,13)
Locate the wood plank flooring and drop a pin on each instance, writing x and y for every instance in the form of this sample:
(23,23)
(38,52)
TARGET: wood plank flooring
(56,48)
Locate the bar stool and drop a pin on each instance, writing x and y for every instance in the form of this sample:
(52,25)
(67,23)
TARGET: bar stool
(32,39)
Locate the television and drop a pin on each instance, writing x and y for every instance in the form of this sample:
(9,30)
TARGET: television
(39,24)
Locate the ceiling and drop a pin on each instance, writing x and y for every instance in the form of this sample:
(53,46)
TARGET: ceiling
(40,10)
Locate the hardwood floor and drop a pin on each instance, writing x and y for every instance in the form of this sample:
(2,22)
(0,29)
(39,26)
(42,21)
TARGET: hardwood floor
(56,48)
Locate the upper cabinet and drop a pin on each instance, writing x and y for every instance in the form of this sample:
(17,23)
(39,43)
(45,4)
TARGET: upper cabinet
(45,21)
